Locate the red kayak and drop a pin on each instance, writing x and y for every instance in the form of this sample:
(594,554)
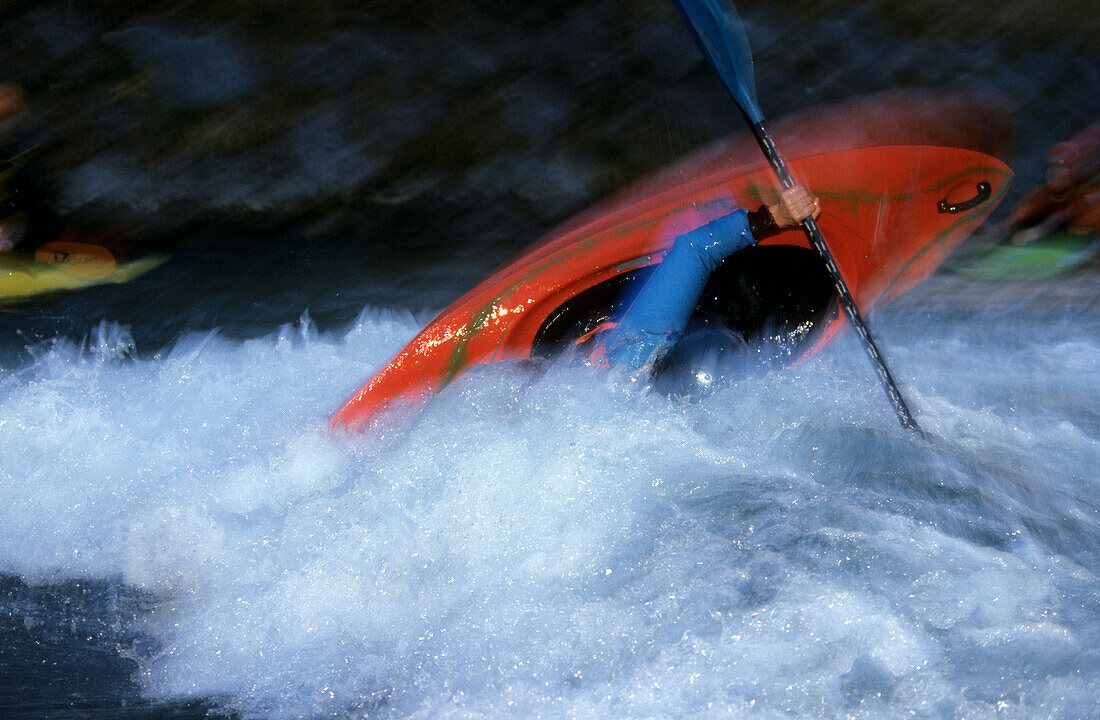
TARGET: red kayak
(893,208)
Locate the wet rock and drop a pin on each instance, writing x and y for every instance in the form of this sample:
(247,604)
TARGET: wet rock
(532,113)
(550,187)
(61,33)
(341,61)
(190,69)
(537,110)
(326,154)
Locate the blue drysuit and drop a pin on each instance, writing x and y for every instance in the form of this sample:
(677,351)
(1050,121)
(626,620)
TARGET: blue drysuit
(657,316)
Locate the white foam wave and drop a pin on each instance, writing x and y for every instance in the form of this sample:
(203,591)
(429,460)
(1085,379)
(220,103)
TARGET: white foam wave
(555,545)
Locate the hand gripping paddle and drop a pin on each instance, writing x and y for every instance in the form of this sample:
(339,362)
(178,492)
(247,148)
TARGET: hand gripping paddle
(721,36)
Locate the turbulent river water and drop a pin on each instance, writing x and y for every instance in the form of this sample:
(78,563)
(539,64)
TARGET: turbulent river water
(182,536)
(557,545)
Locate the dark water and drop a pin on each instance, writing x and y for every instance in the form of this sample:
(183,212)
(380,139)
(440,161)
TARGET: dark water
(179,534)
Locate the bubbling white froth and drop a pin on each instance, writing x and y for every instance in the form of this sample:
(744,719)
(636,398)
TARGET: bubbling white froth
(559,544)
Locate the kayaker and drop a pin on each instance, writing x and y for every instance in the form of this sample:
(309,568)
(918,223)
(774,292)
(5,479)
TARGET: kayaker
(653,334)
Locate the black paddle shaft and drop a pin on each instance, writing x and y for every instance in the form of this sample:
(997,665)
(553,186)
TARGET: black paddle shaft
(846,300)
(720,35)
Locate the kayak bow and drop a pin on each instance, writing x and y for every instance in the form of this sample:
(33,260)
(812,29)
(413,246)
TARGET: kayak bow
(893,212)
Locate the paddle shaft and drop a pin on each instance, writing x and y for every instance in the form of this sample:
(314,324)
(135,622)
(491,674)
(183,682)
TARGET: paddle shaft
(855,318)
(720,35)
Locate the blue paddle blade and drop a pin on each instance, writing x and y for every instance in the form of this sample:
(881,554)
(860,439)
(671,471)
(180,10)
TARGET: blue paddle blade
(718,31)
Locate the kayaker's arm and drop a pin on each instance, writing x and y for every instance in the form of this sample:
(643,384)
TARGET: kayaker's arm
(658,315)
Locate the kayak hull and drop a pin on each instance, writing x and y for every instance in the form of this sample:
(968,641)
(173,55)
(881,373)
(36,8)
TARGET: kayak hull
(890,214)
(22,276)
(79,257)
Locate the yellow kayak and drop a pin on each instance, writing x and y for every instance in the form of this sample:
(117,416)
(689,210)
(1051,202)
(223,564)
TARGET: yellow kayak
(61,266)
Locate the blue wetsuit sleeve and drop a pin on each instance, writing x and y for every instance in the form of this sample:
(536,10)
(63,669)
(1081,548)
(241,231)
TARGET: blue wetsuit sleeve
(655,319)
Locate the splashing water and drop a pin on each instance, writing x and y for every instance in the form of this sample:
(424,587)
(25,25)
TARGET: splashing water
(555,545)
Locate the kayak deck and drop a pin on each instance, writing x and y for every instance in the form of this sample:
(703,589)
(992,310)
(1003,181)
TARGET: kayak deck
(890,214)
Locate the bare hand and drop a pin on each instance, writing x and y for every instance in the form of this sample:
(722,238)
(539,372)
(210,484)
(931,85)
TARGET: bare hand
(795,205)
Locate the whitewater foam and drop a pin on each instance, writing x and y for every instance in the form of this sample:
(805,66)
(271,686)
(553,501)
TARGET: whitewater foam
(553,545)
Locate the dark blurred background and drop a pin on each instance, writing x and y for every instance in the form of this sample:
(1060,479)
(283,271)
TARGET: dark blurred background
(332,155)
